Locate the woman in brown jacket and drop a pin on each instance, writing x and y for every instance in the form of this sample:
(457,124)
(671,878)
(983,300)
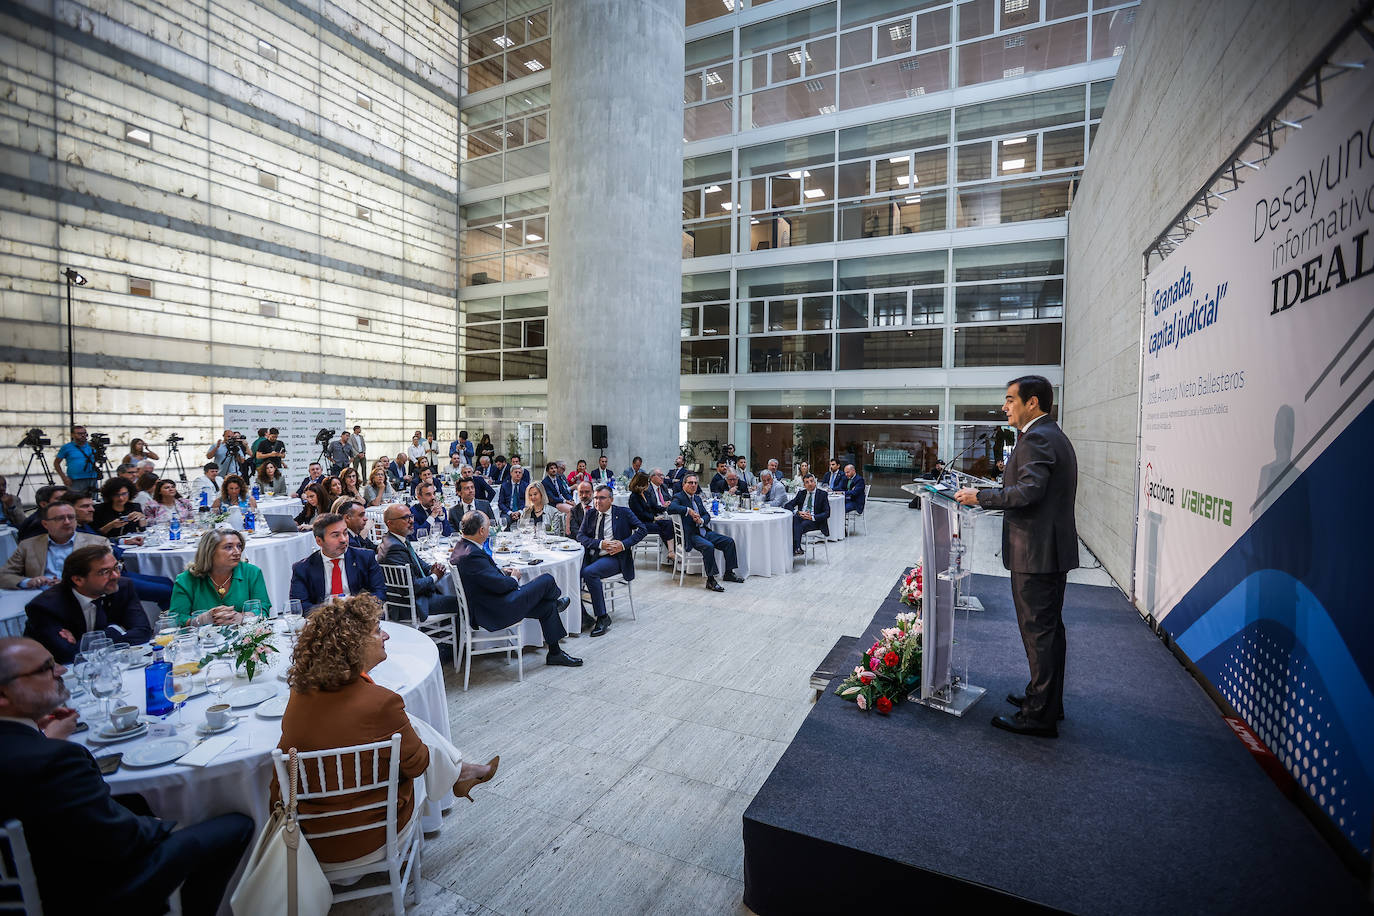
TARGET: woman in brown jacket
(335,704)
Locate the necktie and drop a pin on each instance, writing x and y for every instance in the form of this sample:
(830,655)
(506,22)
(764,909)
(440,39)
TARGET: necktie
(336,580)
(97,612)
(809,495)
(601,528)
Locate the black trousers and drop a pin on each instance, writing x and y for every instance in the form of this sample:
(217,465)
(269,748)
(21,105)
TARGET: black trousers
(545,610)
(1039,600)
(708,542)
(200,858)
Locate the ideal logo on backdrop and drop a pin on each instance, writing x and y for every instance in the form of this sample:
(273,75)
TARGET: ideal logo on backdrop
(1205,505)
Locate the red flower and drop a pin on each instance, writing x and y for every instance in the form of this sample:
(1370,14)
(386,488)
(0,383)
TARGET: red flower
(884,705)
(891,659)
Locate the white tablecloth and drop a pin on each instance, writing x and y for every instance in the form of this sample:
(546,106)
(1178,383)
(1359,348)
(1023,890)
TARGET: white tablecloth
(836,516)
(564,565)
(289,506)
(9,541)
(12,602)
(273,554)
(763,541)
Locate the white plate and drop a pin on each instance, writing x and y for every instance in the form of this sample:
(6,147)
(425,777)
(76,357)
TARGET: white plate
(569,548)
(274,708)
(99,737)
(205,731)
(156,753)
(250,695)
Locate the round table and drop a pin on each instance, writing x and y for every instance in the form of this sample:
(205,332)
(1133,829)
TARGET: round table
(12,603)
(836,519)
(272,553)
(290,506)
(564,565)
(9,541)
(239,778)
(763,541)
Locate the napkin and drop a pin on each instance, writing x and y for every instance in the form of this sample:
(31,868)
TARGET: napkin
(207,750)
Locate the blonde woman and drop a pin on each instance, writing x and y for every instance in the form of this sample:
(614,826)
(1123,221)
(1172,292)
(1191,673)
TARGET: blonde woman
(537,508)
(214,587)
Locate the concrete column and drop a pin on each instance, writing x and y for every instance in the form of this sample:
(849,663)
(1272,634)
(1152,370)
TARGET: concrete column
(615,228)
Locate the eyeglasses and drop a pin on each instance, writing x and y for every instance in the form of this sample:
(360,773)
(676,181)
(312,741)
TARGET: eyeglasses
(46,667)
(112,571)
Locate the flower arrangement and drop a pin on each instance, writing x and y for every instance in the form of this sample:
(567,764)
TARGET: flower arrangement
(891,668)
(248,646)
(912,587)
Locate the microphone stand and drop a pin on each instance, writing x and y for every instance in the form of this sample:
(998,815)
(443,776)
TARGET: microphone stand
(950,463)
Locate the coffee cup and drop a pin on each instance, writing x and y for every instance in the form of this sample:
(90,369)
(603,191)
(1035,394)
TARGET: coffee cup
(527,555)
(124,718)
(217,716)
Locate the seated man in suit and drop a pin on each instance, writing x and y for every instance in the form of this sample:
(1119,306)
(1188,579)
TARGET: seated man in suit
(696,531)
(512,496)
(351,571)
(315,476)
(154,589)
(733,484)
(424,578)
(811,506)
(482,488)
(602,472)
(399,471)
(607,535)
(853,486)
(556,488)
(651,508)
(424,476)
(91,596)
(37,562)
(495,601)
(500,470)
(468,500)
(771,492)
(581,506)
(130,863)
(429,512)
(675,476)
(742,470)
(833,477)
(636,465)
(719,483)
(356,521)
(32,526)
(483,466)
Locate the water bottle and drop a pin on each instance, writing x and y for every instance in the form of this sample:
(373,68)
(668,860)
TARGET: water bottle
(715,505)
(249,521)
(204,500)
(174,529)
(154,677)
(486,545)
(256,491)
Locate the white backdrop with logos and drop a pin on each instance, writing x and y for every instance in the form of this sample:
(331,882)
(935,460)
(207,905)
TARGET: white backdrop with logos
(297,427)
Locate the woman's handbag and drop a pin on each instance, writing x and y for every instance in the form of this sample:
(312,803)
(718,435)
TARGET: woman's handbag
(282,875)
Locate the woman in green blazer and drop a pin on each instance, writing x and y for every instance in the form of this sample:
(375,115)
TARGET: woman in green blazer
(215,586)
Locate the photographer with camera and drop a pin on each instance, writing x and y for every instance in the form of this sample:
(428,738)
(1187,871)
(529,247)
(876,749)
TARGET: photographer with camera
(77,462)
(230,452)
(339,451)
(270,450)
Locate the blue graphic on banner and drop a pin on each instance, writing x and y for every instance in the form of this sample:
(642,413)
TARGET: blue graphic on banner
(1281,626)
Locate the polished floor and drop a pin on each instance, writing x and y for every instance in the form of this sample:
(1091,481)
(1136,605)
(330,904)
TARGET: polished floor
(622,783)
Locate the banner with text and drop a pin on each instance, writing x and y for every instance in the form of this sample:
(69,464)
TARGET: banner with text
(1256,422)
(296,426)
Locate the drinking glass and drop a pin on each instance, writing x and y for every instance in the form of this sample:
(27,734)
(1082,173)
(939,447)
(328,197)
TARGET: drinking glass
(167,628)
(219,674)
(106,682)
(422,533)
(91,642)
(252,607)
(177,688)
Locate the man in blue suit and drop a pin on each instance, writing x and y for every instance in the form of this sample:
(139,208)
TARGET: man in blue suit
(90,597)
(853,486)
(811,512)
(395,550)
(608,536)
(429,512)
(696,523)
(556,488)
(511,499)
(834,478)
(468,500)
(500,470)
(350,571)
(495,601)
(602,472)
(676,475)
(482,487)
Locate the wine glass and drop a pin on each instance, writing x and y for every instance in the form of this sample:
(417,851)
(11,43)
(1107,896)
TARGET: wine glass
(177,689)
(106,682)
(167,628)
(92,641)
(219,674)
(252,608)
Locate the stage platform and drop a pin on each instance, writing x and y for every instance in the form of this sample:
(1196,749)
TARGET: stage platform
(1146,803)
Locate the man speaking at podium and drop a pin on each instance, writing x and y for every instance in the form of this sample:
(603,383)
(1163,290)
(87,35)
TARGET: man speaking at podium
(1039,547)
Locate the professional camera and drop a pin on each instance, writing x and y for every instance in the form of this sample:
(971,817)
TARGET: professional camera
(34,438)
(99,442)
(173,439)
(234,447)
(324,436)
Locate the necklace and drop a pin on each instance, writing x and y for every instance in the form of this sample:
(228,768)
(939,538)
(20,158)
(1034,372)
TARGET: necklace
(221,589)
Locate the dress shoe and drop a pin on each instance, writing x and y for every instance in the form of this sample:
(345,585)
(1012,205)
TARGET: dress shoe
(564,659)
(732,576)
(799,552)
(603,625)
(1020,725)
(563,603)
(463,787)
(713,585)
(1018,700)
(587,619)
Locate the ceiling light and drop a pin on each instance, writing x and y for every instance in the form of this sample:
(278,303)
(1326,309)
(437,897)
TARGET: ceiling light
(799,174)
(900,31)
(533,66)
(729,5)
(713,78)
(795,57)
(827,109)
(531,237)
(813,193)
(895,159)
(713,189)
(1013,141)
(727,205)
(1013,164)
(138,135)
(903,179)
(503,225)
(914,199)
(503,40)
(753,221)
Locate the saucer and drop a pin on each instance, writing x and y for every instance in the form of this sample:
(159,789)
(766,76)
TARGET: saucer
(106,736)
(204,729)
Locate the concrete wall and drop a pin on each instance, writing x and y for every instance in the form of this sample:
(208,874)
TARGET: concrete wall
(1195,81)
(190,213)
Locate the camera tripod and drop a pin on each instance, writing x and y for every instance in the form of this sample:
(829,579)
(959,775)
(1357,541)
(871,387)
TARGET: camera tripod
(42,464)
(173,459)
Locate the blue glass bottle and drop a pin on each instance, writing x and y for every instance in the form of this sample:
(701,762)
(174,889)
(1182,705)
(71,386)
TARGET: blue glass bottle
(249,521)
(256,491)
(174,529)
(154,678)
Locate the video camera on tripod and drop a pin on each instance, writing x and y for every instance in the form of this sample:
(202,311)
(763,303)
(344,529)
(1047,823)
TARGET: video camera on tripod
(324,436)
(34,439)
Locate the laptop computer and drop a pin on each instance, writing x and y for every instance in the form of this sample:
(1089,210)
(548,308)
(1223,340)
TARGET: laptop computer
(281,524)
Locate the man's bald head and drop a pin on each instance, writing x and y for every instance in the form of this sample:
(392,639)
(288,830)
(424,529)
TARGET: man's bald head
(31,684)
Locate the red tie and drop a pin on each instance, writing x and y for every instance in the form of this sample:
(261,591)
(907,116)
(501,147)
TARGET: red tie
(336,580)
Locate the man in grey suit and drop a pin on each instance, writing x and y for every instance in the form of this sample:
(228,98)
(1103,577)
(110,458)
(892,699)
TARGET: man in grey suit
(1039,547)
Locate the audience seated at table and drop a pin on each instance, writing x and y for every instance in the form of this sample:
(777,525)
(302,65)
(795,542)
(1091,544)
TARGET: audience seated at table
(425,578)
(735,485)
(166,503)
(315,475)
(91,854)
(482,488)
(214,587)
(539,513)
(270,483)
(468,500)
(833,479)
(742,471)
(582,504)
(311,498)
(499,472)
(483,466)
(378,491)
(511,498)
(207,482)
(32,526)
(424,476)
(608,536)
(358,524)
(234,492)
(676,475)
(696,531)
(348,483)
(649,499)
(143,487)
(91,596)
(803,469)
(154,589)
(853,486)
(118,515)
(399,471)
(811,508)
(429,513)
(350,571)
(11,509)
(579,475)
(331,488)
(494,599)
(37,562)
(602,472)
(636,465)
(771,491)
(720,481)
(556,488)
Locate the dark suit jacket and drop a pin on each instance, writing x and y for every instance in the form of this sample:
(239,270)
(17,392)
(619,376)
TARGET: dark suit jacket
(645,510)
(500,475)
(304,483)
(57,609)
(820,507)
(422,519)
(556,489)
(575,517)
(624,528)
(833,481)
(360,542)
(396,552)
(1037,496)
(56,791)
(599,475)
(718,483)
(308,584)
(512,498)
(455,515)
(674,478)
(679,506)
(495,600)
(482,489)
(854,490)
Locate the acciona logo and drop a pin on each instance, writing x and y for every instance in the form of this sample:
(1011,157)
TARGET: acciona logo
(1155,488)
